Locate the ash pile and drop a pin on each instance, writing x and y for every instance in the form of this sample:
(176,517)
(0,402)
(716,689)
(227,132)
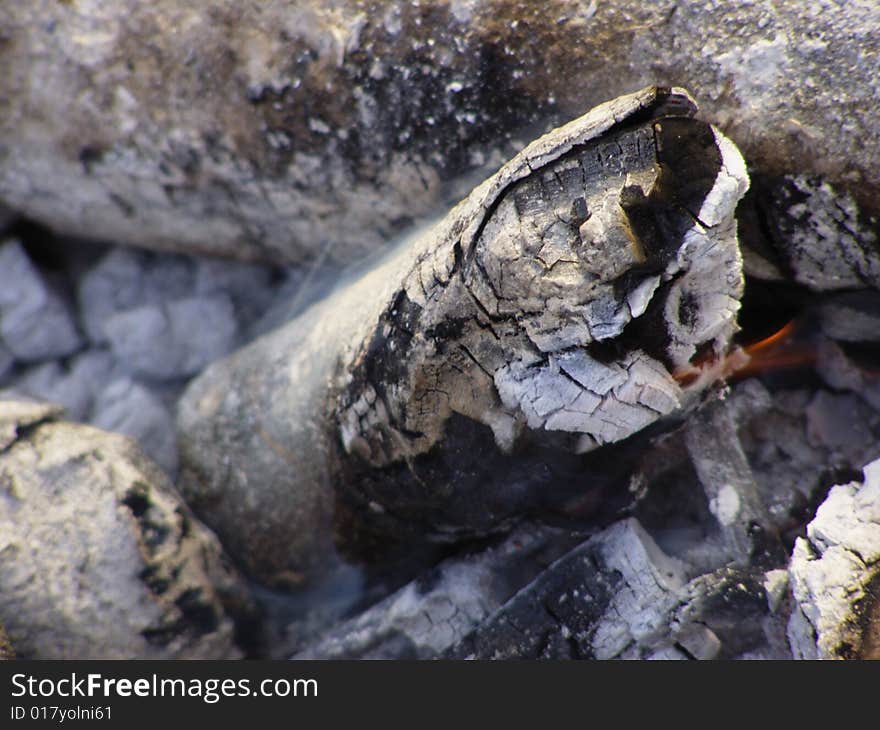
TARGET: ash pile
(113,334)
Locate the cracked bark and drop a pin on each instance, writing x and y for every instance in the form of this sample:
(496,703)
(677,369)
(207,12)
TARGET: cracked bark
(565,305)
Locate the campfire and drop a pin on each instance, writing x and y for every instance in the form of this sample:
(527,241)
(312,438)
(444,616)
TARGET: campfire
(620,399)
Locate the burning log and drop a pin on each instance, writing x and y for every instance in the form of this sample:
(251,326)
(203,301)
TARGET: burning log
(546,316)
(508,365)
(624,594)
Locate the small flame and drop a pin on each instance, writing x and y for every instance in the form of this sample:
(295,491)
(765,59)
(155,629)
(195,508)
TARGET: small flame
(782,350)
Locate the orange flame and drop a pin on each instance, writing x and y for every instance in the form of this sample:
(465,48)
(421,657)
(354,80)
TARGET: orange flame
(781,350)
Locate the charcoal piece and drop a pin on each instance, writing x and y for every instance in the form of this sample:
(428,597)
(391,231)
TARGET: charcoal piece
(843,424)
(618,596)
(796,441)
(726,477)
(73,385)
(842,373)
(99,556)
(114,284)
(730,613)
(547,315)
(821,238)
(251,287)
(174,339)
(434,612)
(610,597)
(851,316)
(835,571)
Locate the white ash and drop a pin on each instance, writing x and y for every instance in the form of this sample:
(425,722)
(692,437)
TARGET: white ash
(795,438)
(617,595)
(72,383)
(823,237)
(428,616)
(130,408)
(174,339)
(652,581)
(833,568)
(842,423)
(117,351)
(124,280)
(35,322)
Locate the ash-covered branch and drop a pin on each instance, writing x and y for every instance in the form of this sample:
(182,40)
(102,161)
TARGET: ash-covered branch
(553,311)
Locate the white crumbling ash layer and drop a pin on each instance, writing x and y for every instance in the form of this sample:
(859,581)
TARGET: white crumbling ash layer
(503,315)
(546,294)
(834,574)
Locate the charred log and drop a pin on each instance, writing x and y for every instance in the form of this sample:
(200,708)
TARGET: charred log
(566,304)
